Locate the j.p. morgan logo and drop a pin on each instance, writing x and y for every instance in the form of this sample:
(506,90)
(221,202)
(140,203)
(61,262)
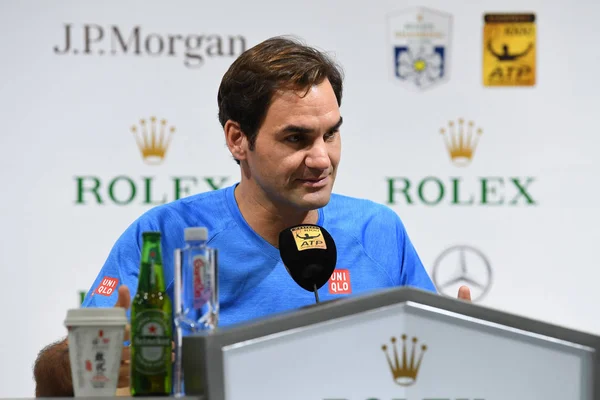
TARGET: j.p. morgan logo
(113,40)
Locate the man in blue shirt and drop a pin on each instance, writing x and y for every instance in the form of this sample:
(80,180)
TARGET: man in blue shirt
(373,252)
(279,105)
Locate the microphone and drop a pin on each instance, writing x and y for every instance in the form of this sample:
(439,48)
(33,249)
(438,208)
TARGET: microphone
(309,255)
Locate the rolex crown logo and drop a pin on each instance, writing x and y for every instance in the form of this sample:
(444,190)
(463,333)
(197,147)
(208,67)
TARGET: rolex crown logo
(405,368)
(461,141)
(153,137)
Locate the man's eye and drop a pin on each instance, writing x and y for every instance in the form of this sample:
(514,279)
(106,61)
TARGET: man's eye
(293,138)
(331,135)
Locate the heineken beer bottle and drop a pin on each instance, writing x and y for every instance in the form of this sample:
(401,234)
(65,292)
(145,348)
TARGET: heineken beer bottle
(151,316)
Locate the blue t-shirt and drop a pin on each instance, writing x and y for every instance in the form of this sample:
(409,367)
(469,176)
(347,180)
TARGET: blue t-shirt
(372,247)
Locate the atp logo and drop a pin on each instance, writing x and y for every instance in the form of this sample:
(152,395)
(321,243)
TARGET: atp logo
(308,237)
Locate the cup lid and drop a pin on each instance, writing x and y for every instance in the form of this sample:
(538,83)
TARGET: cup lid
(96,316)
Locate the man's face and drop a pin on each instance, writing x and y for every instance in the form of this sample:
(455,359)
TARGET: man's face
(297,149)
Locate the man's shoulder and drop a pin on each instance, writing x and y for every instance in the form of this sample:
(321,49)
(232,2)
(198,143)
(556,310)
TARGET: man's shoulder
(343,205)
(207,209)
(358,216)
(204,206)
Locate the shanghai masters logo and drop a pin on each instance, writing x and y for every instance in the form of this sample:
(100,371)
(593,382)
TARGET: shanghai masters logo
(419,45)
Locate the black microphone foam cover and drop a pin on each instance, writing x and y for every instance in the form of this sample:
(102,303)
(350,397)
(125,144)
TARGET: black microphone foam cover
(309,255)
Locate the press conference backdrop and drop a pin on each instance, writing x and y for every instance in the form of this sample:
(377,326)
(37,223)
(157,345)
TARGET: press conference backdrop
(481,135)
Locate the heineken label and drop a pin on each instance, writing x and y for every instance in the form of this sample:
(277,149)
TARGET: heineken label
(201,281)
(153,254)
(152,342)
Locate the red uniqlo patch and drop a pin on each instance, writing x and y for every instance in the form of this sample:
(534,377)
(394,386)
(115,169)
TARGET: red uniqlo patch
(107,286)
(339,282)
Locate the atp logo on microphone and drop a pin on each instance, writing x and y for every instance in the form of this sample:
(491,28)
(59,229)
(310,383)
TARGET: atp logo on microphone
(308,237)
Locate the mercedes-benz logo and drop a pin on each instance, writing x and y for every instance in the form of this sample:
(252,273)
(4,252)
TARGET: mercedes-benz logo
(462,265)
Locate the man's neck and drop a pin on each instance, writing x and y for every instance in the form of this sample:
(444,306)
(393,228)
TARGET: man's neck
(265,219)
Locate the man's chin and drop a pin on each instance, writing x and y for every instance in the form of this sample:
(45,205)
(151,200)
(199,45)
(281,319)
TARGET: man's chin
(313,201)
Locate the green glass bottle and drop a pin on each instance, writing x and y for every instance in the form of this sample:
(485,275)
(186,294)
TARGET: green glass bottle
(151,329)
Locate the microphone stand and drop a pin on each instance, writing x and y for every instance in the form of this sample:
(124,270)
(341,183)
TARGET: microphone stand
(316,293)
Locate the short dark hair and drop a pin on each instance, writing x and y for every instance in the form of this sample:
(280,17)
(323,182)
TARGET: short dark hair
(277,63)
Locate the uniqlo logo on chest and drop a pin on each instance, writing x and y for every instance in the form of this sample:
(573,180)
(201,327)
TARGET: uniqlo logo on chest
(107,286)
(339,283)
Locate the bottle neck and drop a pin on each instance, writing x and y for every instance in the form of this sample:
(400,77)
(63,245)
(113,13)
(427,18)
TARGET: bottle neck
(151,252)
(151,278)
(151,267)
(195,243)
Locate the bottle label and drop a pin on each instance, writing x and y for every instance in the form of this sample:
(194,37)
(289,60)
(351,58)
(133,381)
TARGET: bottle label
(153,254)
(201,281)
(151,341)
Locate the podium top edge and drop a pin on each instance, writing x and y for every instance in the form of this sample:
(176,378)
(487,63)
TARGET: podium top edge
(373,300)
(106,398)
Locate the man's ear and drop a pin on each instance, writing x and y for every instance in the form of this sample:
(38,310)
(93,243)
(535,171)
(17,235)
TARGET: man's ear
(236,140)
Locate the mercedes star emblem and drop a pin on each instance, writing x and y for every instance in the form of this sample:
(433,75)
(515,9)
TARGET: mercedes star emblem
(462,265)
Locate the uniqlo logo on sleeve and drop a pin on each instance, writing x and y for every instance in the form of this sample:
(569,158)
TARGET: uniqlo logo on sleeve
(107,286)
(339,282)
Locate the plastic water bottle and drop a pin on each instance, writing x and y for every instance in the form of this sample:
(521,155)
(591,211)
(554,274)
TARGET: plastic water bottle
(199,281)
(196,293)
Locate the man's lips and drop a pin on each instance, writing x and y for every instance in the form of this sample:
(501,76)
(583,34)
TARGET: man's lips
(315,182)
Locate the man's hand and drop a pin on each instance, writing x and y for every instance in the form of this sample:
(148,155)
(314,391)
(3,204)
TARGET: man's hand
(124,301)
(464,293)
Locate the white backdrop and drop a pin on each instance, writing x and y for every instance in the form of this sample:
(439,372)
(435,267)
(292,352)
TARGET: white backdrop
(67,118)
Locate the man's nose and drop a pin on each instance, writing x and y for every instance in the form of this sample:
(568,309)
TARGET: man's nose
(318,157)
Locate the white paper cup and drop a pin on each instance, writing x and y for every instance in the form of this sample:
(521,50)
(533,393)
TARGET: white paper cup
(95,347)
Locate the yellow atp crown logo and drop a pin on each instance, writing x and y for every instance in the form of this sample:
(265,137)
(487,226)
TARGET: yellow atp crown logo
(308,237)
(509,50)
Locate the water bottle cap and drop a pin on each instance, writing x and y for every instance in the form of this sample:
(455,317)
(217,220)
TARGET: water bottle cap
(194,234)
